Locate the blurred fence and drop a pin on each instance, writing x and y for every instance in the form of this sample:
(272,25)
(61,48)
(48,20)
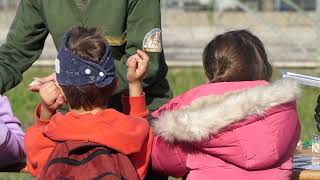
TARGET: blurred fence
(8,4)
(290,29)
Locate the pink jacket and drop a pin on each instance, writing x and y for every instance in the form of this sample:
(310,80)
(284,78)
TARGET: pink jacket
(229,130)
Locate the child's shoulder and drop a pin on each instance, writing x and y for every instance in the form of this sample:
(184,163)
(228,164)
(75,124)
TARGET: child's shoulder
(118,116)
(4,101)
(5,107)
(205,90)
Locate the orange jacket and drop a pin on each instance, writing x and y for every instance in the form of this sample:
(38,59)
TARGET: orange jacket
(128,134)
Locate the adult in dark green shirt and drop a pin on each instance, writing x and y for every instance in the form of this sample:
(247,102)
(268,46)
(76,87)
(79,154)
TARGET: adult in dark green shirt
(123,22)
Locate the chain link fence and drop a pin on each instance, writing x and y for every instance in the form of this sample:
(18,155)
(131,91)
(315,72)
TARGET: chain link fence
(289,28)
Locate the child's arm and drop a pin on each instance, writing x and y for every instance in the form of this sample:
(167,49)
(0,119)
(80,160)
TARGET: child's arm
(141,159)
(38,147)
(135,104)
(169,159)
(52,99)
(11,135)
(137,67)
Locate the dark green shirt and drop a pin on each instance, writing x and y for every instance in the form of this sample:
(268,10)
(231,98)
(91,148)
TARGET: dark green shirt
(124,24)
(82,4)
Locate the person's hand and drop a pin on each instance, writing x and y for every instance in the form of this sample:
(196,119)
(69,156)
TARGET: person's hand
(38,82)
(137,66)
(51,95)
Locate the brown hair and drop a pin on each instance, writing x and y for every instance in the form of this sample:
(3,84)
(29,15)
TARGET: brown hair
(89,45)
(236,56)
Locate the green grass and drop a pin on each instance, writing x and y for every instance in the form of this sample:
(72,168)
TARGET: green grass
(23,101)
(16,176)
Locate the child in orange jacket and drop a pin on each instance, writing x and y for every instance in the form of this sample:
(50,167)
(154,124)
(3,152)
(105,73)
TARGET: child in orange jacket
(85,72)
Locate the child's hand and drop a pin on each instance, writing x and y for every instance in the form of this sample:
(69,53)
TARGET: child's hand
(38,82)
(137,67)
(51,96)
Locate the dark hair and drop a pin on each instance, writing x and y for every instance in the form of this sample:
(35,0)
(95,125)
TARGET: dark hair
(89,45)
(236,56)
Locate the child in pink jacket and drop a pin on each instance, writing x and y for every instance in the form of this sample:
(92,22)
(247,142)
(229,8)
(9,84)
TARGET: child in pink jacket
(238,126)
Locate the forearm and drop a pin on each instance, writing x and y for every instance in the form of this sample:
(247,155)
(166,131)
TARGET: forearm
(135,89)
(24,44)
(10,71)
(135,106)
(46,113)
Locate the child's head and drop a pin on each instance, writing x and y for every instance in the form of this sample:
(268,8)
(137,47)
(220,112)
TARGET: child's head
(236,56)
(86,69)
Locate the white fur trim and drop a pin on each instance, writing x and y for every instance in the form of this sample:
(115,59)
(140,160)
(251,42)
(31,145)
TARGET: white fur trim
(209,114)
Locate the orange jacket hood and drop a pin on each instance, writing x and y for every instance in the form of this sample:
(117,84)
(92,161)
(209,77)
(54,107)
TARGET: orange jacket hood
(108,127)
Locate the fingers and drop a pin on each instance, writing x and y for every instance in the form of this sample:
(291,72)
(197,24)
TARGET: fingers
(49,92)
(139,57)
(143,55)
(34,88)
(51,95)
(143,61)
(131,68)
(38,82)
(129,60)
(60,100)
(51,77)
(132,62)
(49,88)
(137,66)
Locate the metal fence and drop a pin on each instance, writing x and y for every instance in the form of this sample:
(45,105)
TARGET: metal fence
(289,28)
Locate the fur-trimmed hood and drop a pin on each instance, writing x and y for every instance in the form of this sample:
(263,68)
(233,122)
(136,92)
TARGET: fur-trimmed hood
(208,115)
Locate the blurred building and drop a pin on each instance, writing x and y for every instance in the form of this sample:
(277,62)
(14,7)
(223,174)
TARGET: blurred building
(6,4)
(284,5)
(220,5)
(258,5)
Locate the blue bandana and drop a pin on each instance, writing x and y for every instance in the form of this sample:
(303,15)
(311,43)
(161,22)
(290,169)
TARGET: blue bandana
(75,71)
